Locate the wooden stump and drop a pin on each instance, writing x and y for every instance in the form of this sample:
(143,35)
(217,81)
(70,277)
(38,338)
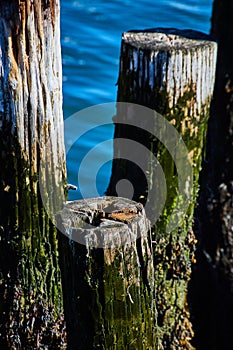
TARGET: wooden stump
(108,274)
(172,72)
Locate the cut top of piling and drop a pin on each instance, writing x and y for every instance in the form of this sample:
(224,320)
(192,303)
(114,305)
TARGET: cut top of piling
(103,222)
(175,67)
(165,39)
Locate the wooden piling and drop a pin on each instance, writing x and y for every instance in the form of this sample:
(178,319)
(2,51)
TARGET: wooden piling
(212,282)
(172,72)
(31,143)
(108,274)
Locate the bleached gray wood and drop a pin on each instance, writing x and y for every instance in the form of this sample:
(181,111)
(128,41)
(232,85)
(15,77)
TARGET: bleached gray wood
(172,61)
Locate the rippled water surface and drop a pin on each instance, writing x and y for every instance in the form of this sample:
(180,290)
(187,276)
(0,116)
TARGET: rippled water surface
(91,37)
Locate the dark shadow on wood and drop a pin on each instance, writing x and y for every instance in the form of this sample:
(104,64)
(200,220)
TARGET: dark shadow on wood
(211,288)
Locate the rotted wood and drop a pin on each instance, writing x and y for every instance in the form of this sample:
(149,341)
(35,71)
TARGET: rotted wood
(172,72)
(108,274)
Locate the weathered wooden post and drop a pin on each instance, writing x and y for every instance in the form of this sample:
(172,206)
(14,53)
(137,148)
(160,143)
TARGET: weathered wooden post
(31,136)
(108,274)
(172,72)
(212,287)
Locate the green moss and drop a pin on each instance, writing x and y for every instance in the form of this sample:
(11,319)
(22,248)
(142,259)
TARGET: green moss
(127,316)
(32,267)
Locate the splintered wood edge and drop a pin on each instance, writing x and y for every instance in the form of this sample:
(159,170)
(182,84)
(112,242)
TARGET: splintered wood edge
(105,208)
(104,222)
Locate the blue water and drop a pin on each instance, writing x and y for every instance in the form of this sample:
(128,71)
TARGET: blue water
(91,37)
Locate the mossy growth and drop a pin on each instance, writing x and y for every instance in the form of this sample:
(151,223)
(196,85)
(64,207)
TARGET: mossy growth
(174,251)
(31,312)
